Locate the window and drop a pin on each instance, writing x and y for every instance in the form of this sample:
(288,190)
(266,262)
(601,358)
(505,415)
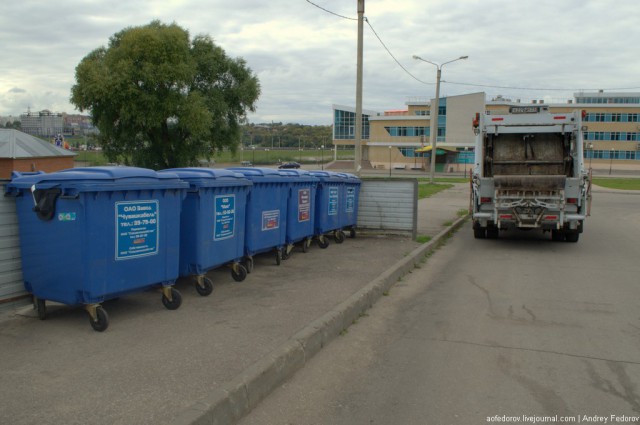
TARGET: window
(344,124)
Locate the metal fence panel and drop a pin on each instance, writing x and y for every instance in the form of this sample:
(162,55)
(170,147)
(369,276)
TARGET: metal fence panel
(11,284)
(389,206)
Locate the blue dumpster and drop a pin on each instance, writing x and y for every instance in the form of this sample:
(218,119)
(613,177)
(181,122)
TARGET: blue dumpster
(300,208)
(212,223)
(329,200)
(92,234)
(266,220)
(349,209)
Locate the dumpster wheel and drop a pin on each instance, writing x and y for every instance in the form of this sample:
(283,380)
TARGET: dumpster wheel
(238,272)
(339,236)
(98,317)
(204,285)
(278,256)
(352,233)
(171,298)
(41,307)
(248,264)
(306,243)
(322,242)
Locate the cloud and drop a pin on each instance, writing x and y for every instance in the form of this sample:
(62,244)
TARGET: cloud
(306,58)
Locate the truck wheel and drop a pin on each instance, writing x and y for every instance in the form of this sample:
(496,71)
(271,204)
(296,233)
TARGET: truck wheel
(572,237)
(557,235)
(479,232)
(492,232)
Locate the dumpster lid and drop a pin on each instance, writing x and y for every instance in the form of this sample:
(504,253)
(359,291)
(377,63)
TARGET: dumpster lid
(352,178)
(97,179)
(259,174)
(299,175)
(208,177)
(328,175)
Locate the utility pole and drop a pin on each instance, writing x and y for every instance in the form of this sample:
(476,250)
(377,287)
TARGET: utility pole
(358,135)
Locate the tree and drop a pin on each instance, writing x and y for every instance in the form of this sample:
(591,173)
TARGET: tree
(161,100)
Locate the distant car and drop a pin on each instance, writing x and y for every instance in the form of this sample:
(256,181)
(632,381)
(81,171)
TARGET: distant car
(246,164)
(289,165)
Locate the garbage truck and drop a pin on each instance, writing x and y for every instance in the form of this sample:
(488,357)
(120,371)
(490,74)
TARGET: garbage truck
(529,173)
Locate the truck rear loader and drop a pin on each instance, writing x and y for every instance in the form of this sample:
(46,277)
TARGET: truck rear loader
(529,173)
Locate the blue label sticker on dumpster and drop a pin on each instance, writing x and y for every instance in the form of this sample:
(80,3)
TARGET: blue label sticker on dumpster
(137,232)
(270,220)
(304,205)
(351,199)
(225,211)
(333,201)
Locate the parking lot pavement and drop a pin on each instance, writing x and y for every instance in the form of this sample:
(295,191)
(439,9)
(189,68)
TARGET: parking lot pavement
(216,356)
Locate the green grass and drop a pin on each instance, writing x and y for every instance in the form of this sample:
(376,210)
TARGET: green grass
(423,238)
(92,158)
(618,183)
(428,189)
(445,180)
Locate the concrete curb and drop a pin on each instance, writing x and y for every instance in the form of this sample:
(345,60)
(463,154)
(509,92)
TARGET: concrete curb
(235,399)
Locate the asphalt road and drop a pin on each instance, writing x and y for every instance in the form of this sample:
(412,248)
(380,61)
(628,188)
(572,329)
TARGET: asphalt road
(515,330)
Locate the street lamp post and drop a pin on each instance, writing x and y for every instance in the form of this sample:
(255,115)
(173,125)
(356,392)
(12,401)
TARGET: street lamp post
(253,158)
(389,161)
(322,156)
(610,160)
(434,117)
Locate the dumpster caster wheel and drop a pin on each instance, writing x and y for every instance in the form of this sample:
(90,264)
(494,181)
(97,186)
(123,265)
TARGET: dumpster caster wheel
(323,243)
(206,288)
(305,245)
(285,255)
(101,322)
(339,236)
(174,302)
(352,233)
(278,256)
(41,308)
(239,275)
(248,264)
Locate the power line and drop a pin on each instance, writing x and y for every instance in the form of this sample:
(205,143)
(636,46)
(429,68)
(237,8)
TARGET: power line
(333,13)
(391,54)
(459,83)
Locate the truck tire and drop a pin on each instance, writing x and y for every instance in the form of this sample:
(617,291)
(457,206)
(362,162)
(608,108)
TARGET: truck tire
(557,235)
(572,236)
(479,232)
(492,232)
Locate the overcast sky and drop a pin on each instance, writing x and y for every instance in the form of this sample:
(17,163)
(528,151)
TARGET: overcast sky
(305,57)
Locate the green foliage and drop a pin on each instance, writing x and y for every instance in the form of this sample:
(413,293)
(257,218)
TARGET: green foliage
(15,124)
(279,135)
(161,100)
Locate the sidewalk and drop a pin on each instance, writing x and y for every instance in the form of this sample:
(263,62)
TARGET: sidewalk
(215,357)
